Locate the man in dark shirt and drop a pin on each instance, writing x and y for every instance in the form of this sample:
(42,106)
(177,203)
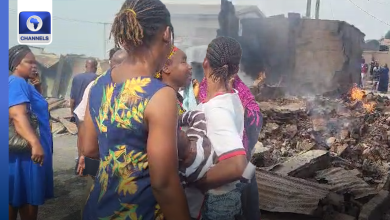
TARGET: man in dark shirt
(80,82)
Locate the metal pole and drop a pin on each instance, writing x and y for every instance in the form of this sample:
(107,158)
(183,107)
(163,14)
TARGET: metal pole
(318,3)
(308,9)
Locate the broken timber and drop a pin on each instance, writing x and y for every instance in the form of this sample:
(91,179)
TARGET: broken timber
(304,165)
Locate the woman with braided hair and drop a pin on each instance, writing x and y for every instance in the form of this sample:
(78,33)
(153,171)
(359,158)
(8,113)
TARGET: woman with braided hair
(253,122)
(225,126)
(131,124)
(30,172)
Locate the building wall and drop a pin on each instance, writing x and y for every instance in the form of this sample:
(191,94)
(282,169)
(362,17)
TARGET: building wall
(194,31)
(381,57)
(309,56)
(330,49)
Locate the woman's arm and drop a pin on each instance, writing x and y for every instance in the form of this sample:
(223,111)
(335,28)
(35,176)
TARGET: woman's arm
(19,116)
(18,100)
(161,118)
(224,172)
(227,144)
(89,141)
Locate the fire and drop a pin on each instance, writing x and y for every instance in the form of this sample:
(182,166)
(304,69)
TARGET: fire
(260,79)
(369,106)
(359,95)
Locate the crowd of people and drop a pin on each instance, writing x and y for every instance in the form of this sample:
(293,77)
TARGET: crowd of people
(379,76)
(169,147)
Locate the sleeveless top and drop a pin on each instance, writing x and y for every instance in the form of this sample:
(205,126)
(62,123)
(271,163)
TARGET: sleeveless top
(122,188)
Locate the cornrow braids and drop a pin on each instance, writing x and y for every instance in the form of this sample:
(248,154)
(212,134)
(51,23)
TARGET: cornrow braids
(138,22)
(224,55)
(16,55)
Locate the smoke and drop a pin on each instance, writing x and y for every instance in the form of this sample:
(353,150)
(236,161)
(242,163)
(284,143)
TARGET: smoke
(252,62)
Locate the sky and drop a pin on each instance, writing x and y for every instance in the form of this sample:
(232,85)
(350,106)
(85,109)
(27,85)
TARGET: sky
(71,34)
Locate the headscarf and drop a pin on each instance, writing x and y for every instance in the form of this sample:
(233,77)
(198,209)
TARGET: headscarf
(16,55)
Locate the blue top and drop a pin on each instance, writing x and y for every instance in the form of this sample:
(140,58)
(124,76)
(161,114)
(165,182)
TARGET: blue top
(122,188)
(79,83)
(35,186)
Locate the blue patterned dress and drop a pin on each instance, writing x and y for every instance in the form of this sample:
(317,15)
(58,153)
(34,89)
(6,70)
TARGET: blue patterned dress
(122,188)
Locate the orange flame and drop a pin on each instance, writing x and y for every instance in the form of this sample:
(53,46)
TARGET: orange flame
(358,95)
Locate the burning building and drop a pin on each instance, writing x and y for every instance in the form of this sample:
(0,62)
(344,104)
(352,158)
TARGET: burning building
(309,56)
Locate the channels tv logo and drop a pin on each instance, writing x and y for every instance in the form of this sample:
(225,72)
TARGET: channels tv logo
(34,27)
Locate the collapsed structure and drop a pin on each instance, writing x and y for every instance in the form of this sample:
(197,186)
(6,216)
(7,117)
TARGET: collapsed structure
(304,55)
(325,156)
(324,147)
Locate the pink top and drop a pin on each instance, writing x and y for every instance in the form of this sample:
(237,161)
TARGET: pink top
(247,100)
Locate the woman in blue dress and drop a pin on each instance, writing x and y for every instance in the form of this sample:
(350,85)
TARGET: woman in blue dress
(383,85)
(30,173)
(130,124)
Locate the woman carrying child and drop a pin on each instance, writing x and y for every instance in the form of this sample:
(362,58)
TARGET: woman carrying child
(224,115)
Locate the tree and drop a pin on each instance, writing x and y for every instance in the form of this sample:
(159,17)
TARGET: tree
(387,36)
(372,45)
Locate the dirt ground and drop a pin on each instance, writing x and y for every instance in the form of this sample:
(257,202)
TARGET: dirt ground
(69,190)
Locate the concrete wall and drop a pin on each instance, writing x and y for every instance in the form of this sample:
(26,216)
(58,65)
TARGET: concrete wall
(328,54)
(191,31)
(381,57)
(310,56)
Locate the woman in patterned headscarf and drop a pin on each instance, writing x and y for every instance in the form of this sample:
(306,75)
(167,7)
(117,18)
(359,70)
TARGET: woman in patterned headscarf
(176,73)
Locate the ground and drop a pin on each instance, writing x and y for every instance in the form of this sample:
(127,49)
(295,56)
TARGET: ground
(69,189)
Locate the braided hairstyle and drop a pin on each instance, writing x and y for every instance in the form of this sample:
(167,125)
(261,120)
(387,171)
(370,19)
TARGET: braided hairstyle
(223,55)
(16,55)
(138,22)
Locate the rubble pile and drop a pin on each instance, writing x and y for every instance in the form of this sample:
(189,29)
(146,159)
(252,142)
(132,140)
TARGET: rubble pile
(60,117)
(342,144)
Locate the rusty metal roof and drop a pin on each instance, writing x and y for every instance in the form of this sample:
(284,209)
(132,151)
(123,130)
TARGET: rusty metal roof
(288,194)
(47,60)
(346,181)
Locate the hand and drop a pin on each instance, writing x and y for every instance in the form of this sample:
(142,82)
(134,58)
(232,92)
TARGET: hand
(37,154)
(34,79)
(81,166)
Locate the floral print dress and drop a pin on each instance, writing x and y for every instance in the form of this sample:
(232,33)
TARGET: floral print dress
(122,188)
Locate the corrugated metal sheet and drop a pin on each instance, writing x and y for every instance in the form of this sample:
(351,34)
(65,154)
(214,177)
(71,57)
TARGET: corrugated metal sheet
(345,181)
(288,194)
(47,60)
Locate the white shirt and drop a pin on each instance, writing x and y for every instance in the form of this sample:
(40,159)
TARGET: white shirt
(82,107)
(225,127)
